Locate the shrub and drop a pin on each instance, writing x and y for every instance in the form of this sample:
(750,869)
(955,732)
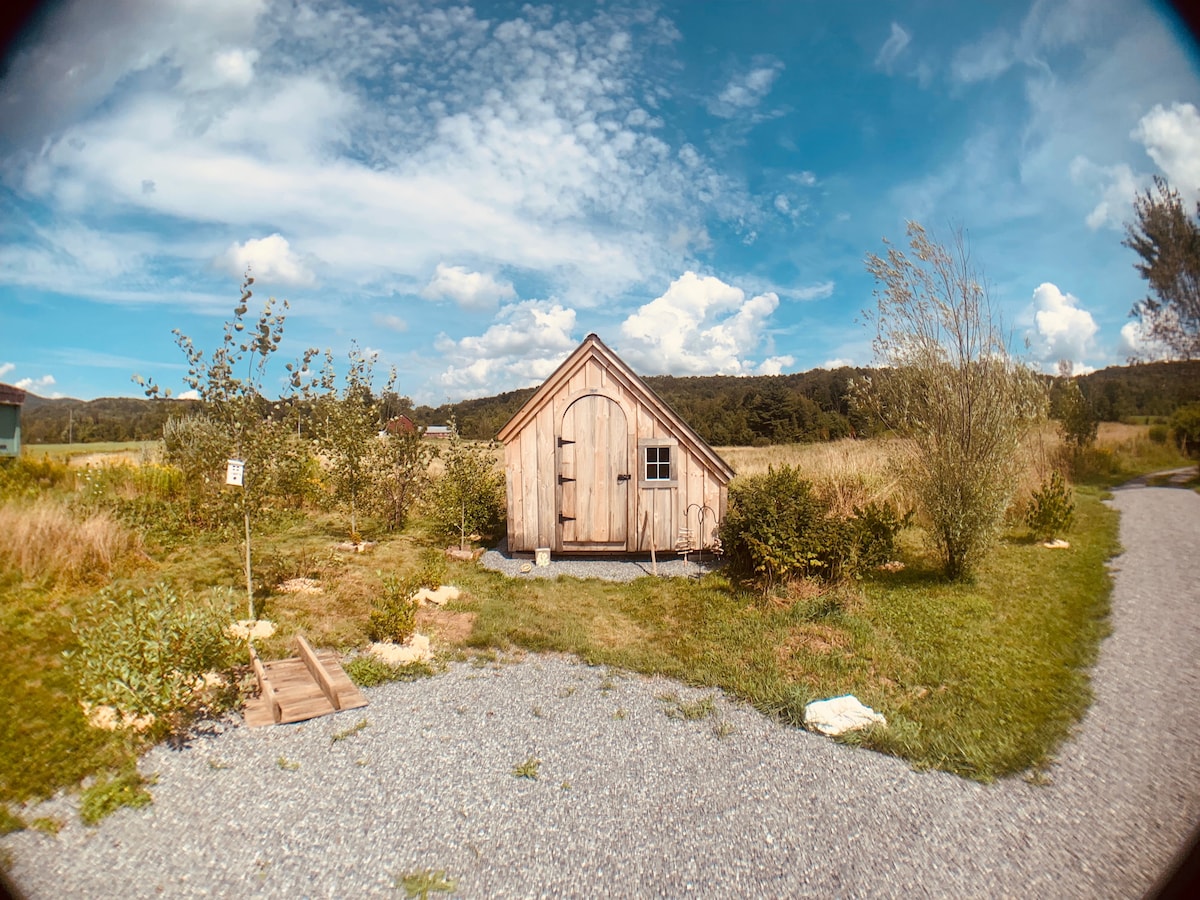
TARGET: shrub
(1158,434)
(394,617)
(877,525)
(1185,425)
(142,652)
(1051,508)
(27,476)
(368,670)
(469,497)
(777,528)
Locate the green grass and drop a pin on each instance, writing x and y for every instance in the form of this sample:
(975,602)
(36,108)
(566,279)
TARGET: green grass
(421,882)
(111,792)
(66,451)
(983,679)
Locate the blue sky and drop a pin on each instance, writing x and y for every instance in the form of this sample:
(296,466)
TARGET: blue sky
(469,190)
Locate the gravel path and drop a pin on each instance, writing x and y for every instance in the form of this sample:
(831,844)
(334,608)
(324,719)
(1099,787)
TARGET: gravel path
(669,565)
(629,802)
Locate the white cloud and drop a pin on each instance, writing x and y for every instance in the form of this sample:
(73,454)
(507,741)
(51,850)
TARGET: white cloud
(528,342)
(813,291)
(700,325)
(1172,139)
(235,67)
(470,290)
(1116,185)
(1061,328)
(36,384)
(190,394)
(1135,344)
(270,259)
(5,368)
(774,365)
(836,363)
(746,90)
(896,44)
(390,321)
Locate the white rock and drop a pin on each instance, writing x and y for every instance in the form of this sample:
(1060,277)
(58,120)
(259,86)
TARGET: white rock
(839,715)
(1058,544)
(440,597)
(416,649)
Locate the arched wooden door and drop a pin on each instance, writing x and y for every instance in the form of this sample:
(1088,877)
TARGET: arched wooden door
(594,475)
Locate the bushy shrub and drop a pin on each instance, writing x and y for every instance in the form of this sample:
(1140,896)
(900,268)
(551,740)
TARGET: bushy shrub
(1158,434)
(1185,426)
(877,525)
(777,528)
(28,476)
(394,616)
(468,498)
(1051,508)
(141,652)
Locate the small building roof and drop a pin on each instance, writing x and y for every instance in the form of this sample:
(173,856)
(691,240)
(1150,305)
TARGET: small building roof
(593,347)
(11,396)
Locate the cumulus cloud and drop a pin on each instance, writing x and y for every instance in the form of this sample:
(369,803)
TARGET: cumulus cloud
(1172,139)
(190,394)
(836,363)
(528,342)
(470,290)
(36,384)
(1136,344)
(774,365)
(5,368)
(1061,328)
(270,259)
(700,325)
(746,90)
(896,44)
(1116,186)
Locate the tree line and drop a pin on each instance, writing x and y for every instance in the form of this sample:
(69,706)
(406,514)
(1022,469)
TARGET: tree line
(725,410)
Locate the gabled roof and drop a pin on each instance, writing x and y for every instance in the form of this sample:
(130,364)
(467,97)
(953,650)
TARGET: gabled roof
(594,348)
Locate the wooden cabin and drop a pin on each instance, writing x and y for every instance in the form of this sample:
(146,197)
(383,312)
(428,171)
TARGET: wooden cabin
(596,462)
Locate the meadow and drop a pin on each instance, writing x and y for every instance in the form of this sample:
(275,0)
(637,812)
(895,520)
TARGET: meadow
(982,678)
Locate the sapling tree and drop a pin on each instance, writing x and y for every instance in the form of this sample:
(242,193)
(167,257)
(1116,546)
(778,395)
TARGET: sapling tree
(948,384)
(468,498)
(229,383)
(347,428)
(401,473)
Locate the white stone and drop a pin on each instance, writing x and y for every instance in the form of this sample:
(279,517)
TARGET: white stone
(251,629)
(415,650)
(1058,544)
(839,715)
(440,597)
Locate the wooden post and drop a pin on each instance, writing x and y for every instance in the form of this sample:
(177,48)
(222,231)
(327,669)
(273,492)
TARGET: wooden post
(249,580)
(264,685)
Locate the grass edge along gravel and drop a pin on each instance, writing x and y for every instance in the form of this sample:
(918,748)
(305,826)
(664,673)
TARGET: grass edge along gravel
(983,679)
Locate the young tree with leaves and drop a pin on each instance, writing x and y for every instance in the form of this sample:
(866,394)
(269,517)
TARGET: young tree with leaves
(469,496)
(401,469)
(347,427)
(949,386)
(230,387)
(1166,237)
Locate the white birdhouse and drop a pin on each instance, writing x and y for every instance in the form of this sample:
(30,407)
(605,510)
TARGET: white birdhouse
(234,472)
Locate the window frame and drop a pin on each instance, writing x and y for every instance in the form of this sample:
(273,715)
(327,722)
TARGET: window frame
(670,444)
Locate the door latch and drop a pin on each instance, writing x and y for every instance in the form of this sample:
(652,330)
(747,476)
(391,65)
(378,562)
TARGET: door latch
(624,477)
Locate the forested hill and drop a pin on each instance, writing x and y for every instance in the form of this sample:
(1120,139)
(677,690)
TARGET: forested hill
(724,409)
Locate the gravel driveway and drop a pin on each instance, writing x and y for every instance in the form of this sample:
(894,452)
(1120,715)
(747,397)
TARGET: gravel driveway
(629,802)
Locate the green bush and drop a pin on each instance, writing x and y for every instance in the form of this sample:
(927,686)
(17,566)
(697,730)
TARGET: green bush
(778,528)
(1159,433)
(468,499)
(141,652)
(1051,508)
(877,526)
(368,670)
(1185,426)
(394,617)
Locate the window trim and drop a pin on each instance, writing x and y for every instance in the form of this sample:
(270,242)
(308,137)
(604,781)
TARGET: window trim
(645,444)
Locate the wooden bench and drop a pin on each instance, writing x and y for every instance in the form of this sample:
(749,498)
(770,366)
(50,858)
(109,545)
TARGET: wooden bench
(301,687)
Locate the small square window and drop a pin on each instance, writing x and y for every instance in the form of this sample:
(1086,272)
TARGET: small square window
(658,463)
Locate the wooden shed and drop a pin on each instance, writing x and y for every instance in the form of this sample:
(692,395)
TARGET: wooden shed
(11,399)
(596,462)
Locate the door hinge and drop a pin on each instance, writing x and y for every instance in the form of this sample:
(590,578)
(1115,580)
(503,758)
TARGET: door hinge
(562,520)
(563,479)
(562,442)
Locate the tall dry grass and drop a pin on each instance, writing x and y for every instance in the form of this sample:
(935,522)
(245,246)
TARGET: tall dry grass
(846,473)
(45,541)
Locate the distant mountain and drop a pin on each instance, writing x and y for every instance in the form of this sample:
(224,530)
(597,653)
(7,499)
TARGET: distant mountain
(724,409)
